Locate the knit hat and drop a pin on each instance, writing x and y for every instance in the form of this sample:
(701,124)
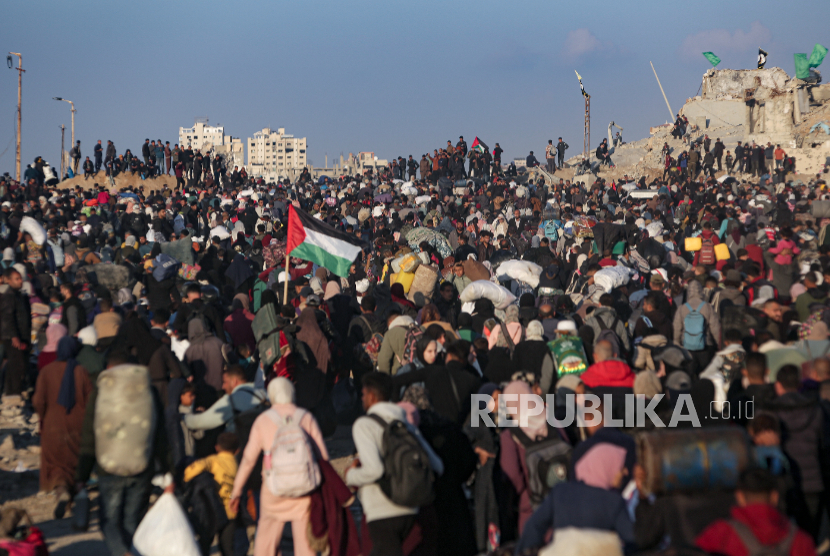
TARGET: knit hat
(8,254)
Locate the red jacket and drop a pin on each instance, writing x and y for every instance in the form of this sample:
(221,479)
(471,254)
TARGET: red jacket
(612,372)
(768,524)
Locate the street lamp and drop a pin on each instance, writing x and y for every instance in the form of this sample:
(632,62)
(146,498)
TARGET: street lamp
(73,116)
(20,71)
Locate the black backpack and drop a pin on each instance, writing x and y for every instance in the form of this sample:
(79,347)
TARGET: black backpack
(745,319)
(547,462)
(408,477)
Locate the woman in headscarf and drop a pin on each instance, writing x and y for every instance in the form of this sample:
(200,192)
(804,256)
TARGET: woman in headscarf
(514,442)
(310,333)
(238,323)
(275,511)
(61,393)
(399,297)
(54,333)
(446,389)
(532,354)
(332,289)
(513,326)
(593,501)
(204,356)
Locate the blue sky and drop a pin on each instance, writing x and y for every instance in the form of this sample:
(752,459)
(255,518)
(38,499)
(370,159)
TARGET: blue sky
(393,77)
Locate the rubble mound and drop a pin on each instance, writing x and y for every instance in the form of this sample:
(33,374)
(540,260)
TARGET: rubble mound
(122,180)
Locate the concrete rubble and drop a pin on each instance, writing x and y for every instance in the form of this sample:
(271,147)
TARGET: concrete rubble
(737,105)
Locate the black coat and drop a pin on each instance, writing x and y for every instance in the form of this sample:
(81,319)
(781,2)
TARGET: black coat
(15,316)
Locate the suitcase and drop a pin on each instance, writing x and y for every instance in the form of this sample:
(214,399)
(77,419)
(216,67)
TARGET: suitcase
(693,460)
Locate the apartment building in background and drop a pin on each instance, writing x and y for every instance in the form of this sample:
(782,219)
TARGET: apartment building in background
(273,153)
(202,136)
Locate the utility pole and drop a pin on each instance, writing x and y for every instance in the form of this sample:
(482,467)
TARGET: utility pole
(20,71)
(586,144)
(63,130)
(72,104)
(662,91)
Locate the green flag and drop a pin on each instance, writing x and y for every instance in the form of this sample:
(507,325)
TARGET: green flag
(817,57)
(802,66)
(714,60)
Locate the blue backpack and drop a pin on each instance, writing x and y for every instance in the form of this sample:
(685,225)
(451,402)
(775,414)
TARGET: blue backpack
(694,329)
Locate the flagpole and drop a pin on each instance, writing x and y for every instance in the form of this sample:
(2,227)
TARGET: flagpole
(285,291)
(662,91)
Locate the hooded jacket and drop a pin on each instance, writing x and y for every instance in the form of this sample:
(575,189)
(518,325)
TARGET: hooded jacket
(608,315)
(802,437)
(769,526)
(368,439)
(390,357)
(612,372)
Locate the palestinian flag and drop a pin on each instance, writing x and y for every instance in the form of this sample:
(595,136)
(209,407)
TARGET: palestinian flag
(313,240)
(479,146)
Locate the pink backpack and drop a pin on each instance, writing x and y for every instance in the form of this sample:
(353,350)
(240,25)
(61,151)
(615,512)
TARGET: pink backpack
(290,468)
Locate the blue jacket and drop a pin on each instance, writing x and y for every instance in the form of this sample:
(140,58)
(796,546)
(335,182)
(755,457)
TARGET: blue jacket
(575,504)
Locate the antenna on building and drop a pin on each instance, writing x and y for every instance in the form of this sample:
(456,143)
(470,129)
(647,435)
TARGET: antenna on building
(201,120)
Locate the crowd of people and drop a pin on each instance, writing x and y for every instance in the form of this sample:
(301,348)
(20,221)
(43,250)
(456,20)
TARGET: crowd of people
(163,330)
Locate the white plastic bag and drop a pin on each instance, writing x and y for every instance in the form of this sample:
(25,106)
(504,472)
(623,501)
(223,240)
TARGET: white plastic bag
(499,295)
(165,531)
(523,271)
(612,277)
(221,232)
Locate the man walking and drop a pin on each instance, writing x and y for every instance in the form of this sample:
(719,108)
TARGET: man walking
(718,152)
(167,156)
(739,157)
(98,151)
(388,523)
(123,494)
(15,331)
(561,147)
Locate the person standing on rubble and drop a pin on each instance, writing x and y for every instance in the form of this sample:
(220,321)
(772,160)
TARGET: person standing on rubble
(718,152)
